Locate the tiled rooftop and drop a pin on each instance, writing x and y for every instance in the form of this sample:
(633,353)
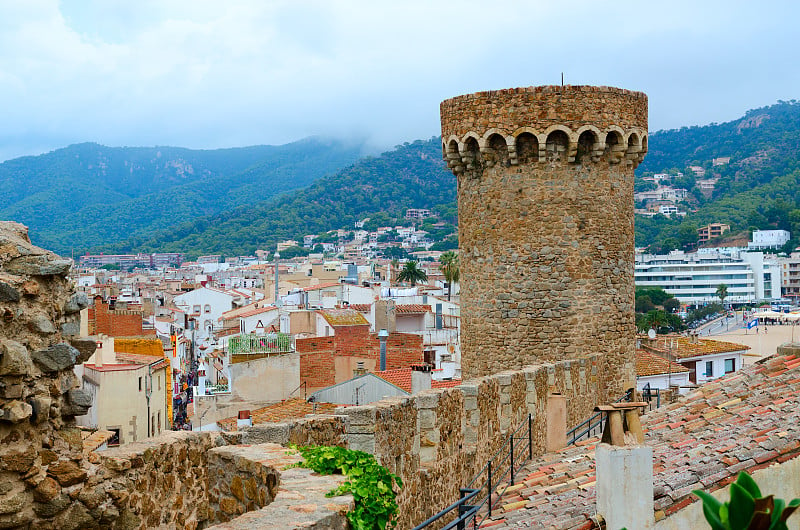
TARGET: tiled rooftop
(401,378)
(361,308)
(410,309)
(686,347)
(277,412)
(745,421)
(343,317)
(651,364)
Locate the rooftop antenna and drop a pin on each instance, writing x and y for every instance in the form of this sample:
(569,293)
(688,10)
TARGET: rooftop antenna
(562,79)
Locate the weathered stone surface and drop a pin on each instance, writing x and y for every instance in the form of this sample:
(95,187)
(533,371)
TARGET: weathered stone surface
(42,265)
(85,347)
(12,504)
(76,302)
(70,329)
(66,473)
(76,516)
(41,323)
(8,293)
(41,408)
(16,411)
(57,357)
(78,402)
(52,507)
(15,520)
(14,358)
(46,490)
(18,460)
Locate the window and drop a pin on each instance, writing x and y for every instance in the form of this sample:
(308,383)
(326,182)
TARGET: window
(159,382)
(159,422)
(207,308)
(114,440)
(730,365)
(709,369)
(196,308)
(140,384)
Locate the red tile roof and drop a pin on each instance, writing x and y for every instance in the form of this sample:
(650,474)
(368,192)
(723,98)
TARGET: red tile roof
(322,286)
(747,420)
(412,308)
(289,409)
(445,383)
(343,317)
(401,377)
(361,308)
(651,364)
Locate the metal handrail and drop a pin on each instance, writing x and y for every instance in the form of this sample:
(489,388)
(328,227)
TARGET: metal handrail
(595,420)
(513,456)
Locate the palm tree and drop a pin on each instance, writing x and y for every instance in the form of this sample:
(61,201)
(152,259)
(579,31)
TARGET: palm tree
(412,274)
(722,292)
(450,268)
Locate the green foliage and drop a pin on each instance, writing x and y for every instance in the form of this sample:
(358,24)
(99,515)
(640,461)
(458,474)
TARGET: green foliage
(89,196)
(373,487)
(451,268)
(759,188)
(747,508)
(703,311)
(412,274)
(412,176)
(722,292)
(659,320)
(656,294)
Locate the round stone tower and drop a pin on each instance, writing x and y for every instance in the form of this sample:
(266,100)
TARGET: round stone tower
(545,206)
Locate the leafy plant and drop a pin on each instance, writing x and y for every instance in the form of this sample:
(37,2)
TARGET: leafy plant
(372,485)
(747,509)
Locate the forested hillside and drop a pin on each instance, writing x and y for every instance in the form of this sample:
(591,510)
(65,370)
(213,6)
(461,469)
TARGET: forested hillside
(88,195)
(756,189)
(411,176)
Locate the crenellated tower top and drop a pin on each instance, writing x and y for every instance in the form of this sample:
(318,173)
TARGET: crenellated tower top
(545,124)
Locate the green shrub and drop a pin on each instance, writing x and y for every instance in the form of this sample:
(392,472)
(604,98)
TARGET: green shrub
(372,485)
(747,509)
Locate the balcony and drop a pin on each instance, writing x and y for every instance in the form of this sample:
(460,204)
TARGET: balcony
(250,344)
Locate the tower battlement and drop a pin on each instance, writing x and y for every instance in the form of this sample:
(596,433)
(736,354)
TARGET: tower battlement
(547,124)
(545,202)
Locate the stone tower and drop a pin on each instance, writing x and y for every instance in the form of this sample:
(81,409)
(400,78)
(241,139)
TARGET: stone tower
(545,205)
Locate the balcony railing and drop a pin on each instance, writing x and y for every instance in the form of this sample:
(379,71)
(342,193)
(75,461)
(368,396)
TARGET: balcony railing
(244,344)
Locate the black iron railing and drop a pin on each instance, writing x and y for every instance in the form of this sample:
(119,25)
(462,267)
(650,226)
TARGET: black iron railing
(594,423)
(481,495)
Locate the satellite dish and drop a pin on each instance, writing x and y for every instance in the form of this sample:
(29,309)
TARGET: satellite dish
(651,333)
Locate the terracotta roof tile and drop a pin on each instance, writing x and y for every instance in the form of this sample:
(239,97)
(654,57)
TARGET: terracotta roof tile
(686,347)
(361,308)
(744,421)
(412,308)
(400,377)
(446,383)
(651,364)
(277,412)
(343,317)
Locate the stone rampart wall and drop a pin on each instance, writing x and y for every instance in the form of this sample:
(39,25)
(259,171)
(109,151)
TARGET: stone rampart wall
(436,441)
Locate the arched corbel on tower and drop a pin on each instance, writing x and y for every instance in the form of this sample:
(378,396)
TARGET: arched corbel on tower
(526,145)
(634,147)
(471,151)
(453,156)
(590,144)
(495,149)
(614,151)
(558,144)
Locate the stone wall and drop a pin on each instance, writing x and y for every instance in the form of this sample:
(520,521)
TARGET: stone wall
(545,199)
(436,441)
(41,479)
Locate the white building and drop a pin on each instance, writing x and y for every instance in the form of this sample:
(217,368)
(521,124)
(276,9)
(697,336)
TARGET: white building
(769,239)
(206,306)
(694,278)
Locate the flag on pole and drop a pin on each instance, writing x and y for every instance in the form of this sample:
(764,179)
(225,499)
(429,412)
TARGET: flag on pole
(753,323)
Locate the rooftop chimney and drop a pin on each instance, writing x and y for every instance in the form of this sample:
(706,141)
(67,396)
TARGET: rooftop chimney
(420,377)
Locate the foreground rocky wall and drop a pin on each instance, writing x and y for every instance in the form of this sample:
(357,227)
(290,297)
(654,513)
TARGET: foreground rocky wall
(41,475)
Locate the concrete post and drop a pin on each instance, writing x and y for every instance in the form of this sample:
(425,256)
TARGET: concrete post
(625,485)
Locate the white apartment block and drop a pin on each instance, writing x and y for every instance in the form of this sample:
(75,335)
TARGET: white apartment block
(694,278)
(769,239)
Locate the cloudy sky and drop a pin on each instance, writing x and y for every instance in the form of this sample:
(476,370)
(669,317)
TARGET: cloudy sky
(205,74)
